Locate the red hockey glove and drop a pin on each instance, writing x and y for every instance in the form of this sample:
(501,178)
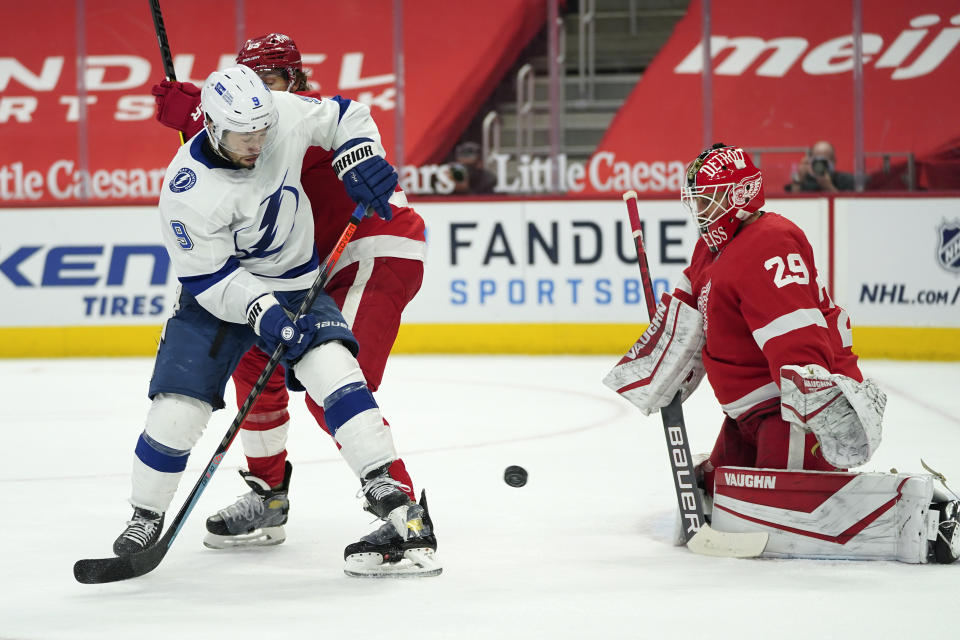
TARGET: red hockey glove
(177,105)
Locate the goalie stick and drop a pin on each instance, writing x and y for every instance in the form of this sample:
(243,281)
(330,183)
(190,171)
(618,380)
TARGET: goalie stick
(699,536)
(165,56)
(97,571)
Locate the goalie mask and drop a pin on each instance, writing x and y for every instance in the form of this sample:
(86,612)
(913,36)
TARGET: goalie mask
(723,188)
(240,117)
(273,53)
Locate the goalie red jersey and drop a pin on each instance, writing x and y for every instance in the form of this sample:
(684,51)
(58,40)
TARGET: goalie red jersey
(764,307)
(752,313)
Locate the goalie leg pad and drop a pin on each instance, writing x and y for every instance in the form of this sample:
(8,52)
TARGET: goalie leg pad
(665,359)
(836,515)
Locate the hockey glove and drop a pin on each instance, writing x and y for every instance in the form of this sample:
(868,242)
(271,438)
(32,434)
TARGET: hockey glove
(271,322)
(177,104)
(665,359)
(845,415)
(368,178)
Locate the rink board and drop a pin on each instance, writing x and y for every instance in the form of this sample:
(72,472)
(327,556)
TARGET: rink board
(531,276)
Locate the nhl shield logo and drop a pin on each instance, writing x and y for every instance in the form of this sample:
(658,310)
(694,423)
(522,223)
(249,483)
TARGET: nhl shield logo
(948,253)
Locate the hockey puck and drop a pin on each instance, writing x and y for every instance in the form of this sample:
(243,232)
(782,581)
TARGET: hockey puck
(515,476)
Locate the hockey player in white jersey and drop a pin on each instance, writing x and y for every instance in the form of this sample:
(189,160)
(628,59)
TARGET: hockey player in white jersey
(239,232)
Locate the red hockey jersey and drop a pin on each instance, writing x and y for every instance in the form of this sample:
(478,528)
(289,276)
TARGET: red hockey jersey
(764,307)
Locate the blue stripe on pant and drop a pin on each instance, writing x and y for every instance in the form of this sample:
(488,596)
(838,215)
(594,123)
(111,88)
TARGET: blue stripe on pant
(345,403)
(160,457)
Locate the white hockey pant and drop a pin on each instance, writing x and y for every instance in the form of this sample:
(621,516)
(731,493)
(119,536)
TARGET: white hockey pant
(333,378)
(816,514)
(174,425)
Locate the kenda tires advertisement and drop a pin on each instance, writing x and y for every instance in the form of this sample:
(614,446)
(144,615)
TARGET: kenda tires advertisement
(84,266)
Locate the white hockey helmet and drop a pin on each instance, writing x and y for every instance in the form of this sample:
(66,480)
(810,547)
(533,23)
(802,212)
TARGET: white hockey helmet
(236,100)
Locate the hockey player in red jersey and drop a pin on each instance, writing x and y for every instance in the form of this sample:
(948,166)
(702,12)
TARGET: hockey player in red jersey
(378,274)
(752,314)
(764,307)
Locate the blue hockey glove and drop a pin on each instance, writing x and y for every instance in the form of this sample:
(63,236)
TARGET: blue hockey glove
(271,322)
(368,178)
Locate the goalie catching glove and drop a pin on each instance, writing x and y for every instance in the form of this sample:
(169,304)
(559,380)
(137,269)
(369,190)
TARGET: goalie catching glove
(844,414)
(665,359)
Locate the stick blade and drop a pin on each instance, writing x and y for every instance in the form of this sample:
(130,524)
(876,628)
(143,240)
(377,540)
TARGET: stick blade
(722,544)
(102,570)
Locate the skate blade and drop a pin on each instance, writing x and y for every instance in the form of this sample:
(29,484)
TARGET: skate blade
(416,563)
(265,537)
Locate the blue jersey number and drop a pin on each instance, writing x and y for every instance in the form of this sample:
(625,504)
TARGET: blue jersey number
(183,237)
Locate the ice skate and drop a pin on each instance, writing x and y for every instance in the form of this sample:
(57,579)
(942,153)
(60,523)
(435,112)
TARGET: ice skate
(946,548)
(255,520)
(404,546)
(142,531)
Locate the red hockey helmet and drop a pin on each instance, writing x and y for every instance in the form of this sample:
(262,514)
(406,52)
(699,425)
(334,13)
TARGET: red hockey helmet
(274,52)
(723,188)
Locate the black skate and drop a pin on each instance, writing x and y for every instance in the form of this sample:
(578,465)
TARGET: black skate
(382,494)
(142,531)
(256,519)
(388,553)
(946,548)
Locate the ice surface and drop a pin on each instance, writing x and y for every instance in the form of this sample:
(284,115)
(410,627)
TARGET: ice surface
(582,551)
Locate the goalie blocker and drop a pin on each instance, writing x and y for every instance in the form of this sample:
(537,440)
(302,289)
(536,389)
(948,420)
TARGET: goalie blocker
(665,359)
(839,515)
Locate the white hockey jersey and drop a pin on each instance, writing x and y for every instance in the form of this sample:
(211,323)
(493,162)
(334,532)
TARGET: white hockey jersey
(236,234)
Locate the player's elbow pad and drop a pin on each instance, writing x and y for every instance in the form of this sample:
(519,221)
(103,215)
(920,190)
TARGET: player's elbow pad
(665,359)
(844,414)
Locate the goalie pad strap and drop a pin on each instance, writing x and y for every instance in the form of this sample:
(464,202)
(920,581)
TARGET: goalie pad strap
(665,359)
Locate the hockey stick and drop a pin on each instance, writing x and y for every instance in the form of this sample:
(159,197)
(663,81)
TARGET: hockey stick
(165,56)
(699,536)
(96,571)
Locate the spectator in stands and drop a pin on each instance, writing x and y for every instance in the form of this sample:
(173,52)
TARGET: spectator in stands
(817,172)
(469,174)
